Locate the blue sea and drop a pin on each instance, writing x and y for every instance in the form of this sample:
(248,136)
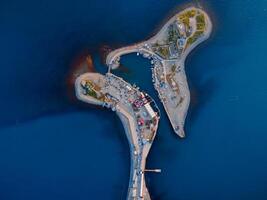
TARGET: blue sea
(53,148)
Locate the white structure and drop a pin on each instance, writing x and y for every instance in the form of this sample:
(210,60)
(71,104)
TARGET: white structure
(150,111)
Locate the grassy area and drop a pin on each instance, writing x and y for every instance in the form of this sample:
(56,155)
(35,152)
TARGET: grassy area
(200,23)
(163,52)
(193,38)
(89,89)
(184,17)
(91,93)
(200,26)
(200,19)
(186,22)
(190,13)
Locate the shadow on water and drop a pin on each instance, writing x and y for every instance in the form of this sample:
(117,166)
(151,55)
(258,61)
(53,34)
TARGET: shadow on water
(47,92)
(201,88)
(200,96)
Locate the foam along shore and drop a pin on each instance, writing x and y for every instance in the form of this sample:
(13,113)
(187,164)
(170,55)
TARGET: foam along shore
(138,114)
(167,51)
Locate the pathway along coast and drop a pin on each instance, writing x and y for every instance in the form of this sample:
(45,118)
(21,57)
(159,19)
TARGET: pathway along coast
(167,51)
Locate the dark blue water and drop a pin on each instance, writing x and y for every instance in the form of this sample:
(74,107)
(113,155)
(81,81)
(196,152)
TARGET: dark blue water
(52,148)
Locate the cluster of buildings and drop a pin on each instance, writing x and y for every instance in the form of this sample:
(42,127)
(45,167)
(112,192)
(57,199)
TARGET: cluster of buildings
(177,34)
(140,104)
(116,91)
(147,116)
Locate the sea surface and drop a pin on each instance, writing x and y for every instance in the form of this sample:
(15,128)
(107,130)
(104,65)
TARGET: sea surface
(53,148)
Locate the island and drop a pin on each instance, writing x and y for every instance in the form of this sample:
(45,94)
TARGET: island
(167,51)
(138,113)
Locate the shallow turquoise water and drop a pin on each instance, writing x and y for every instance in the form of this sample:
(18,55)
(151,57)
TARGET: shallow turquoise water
(51,148)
